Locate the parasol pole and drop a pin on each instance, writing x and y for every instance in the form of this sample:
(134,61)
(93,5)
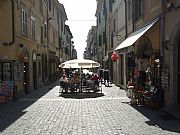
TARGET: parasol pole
(80,79)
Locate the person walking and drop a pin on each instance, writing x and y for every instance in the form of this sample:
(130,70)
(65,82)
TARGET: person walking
(106,77)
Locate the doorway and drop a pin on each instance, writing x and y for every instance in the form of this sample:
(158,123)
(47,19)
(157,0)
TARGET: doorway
(34,75)
(122,69)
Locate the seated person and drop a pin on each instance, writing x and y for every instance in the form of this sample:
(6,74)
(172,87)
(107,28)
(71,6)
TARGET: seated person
(74,82)
(95,78)
(64,82)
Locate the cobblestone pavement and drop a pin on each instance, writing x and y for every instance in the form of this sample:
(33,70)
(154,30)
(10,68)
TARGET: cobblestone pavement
(45,112)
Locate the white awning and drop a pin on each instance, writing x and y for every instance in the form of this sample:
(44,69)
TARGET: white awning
(133,37)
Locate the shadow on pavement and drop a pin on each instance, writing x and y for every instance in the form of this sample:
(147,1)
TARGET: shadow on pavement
(12,111)
(81,95)
(160,119)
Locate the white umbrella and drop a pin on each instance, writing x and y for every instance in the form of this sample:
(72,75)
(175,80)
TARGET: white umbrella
(80,63)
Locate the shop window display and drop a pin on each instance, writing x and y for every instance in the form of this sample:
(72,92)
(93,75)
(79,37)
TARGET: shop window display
(145,75)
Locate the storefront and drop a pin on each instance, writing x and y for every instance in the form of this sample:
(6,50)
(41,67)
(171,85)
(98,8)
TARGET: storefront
(139,45)
(140,53)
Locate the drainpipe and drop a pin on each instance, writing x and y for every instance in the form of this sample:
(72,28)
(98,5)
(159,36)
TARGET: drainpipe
(133,22)
(13,34)
(162,23)
(126,19)
(105,23)
(162,30)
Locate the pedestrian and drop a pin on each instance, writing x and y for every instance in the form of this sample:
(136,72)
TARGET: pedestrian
(106,77)
(101,74)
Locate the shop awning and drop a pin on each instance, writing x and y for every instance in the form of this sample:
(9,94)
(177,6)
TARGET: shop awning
(133,37)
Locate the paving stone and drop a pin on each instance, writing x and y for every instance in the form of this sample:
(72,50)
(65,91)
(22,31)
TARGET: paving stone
(44,112)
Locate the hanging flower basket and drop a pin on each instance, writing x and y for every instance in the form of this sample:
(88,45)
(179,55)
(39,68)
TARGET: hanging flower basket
(114,57)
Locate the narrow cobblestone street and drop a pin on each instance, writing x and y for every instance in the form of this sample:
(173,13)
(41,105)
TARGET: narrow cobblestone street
(45,112)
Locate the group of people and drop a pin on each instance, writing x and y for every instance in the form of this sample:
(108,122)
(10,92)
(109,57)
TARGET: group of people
(74,82)
(71,84)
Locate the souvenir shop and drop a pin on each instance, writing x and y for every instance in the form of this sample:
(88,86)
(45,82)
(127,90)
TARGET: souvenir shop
(143,75)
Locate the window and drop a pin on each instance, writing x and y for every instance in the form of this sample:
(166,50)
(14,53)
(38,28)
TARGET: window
(110,5)
(99,18)
(24,21)
(41,6)
(45,29)
(54,37)
(129,9)
(100,40)
(112,40)
(114,25)
(53,9)
(138,9)
(33,27)
(50,3)
(104,37)
(6,71)
(39,65)
(62,25)
(42,35)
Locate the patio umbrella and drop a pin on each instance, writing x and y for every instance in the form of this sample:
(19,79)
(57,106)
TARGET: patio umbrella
(80,63)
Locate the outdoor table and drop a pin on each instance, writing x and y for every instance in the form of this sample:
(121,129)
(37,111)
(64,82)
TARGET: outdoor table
(73,86)
(90,84)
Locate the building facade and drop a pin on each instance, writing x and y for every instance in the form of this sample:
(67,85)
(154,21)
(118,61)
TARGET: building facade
(30,47)
(143,33)
(171,54)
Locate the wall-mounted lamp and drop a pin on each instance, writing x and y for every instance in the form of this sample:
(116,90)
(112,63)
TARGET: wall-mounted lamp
(5,44)
(50,18)
(167,43)
(20,45)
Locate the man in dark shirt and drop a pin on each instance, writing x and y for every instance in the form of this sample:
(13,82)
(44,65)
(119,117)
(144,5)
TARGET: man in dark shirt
(106,77)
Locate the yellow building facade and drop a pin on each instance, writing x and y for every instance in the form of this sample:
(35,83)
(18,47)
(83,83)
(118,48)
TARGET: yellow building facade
(29,45)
